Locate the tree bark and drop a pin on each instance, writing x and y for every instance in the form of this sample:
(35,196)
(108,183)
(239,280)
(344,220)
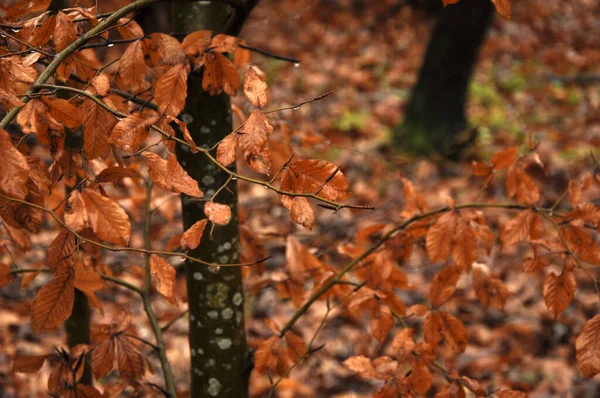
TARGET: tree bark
(435,116)
(219,354)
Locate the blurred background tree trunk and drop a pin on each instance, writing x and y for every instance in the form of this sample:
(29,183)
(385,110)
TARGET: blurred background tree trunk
(435,120)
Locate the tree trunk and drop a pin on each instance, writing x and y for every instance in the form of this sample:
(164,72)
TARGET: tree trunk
(435,116)
(219,354)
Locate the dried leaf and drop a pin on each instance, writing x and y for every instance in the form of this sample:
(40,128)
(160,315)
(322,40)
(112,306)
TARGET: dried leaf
(61,253)
(170,50)
(107,219)
(132,67)
(217,213)
(315,176)
(526,225)
(169,175)
(170,90)
(103,358)
(440,236)
(63,111)
(28,363)
(129,360)
(220,74)
(98,123)
(489,289)
(101,83)
(464,250)
(300,210)
(54,302)
(14,171)
(116,174)
(26,7)
(256,89)
(503,7)
(361,365)
(444,284)
(163,278)
(519,184)
(130,132)
(227,149)
(504,159)
(559,291)
(440,325)
(253,142)
(76,216)
(265,356)
(382,322)
(588,348)
(191,238)
(64,31)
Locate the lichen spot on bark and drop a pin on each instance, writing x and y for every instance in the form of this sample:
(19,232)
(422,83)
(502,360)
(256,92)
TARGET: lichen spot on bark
(212,314)
(217,294)
(198,276)
(214,387)
(227,313)
(237,299)
(224,344)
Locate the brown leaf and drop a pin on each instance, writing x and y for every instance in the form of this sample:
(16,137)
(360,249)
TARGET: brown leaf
(169,175)
(480,169)
(195,45)
(61,253)
(5,274)
(130,132)
(526,225)
(300,210)
(503,7)
(440,325)
(382,322)
(28,363)
(101,83)
(227,149)
(87,281)
(26,7)
(170,90)
(103,358)
(361,365)
(489,289)
(504,159)
(14,171)
(54,302)
(440,236)
(253,142)
(315,176)
(217,213)
(220,74)
(587,347)
(265,356)
(191,238)
(107,219)
(519,184)
(464,250)
(444,284)
(223,43)
(129,360)
(129,29)
(296,346)
(559,291)
(65,112)
(170,50)
(116,174)
(76,216)
(97,126)
(256,89)
(132,67)
(448,2)
(64,31)
(163,278)
(420,378)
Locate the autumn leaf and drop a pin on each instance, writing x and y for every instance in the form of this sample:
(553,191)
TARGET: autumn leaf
(503,7)
(26,7)
(107,219)
(300,210)
(440,236)
(170,90)
(132,67)
(101,83)
(227,149)
(256,89)
(169,175)
(382,322)
(14,171)
(163,278)
(520,185)
(117,174)
(63,111)
(76,216)
(220,74)
(217,213)
(28,363)
(170,50)
(489,289)
(464,250)
(587,348)
(361,365)
(130,132)
(61,252)
(98,124)
(315,176)
(53,303)
(296,346)
(504,159)
(559,291)
(129,360)
(253,142)
(526,225)
(441,325)
(103,358)
(191,238)
(443,285)
(265,356)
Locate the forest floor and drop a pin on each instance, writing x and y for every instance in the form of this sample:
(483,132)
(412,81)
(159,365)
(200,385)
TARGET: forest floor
(537,78)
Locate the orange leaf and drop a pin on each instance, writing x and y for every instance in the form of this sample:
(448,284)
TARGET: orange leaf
(103,358)
(170,50)
(101,83)
(464,250)
(315,176)
(217,213)
(132,67)
(443,285)
(97,126)
(440,236)
(265,356)
(559,291)
(14,171)
(489,289)
(361,365)
(191,238)
(116,174)
(296,345)
(61,252)
(223,43)
(382,322)
(28,363)
(448,2)
(519,184)
(87,281)
(64,112)
(525,225)
(76,216)
(107,219)
(5,274)
(130,132)
(440,325)
(587,347)
(129,360)
(503,7)
(420,378)
(26,7)
(170,90)
(256,89)
(163,278)
(480,169)
(505,158)
(300,210)
(195,45)
(253,142)
(54,302)
(64,31)
(227,149)
(220,74)
(169,175)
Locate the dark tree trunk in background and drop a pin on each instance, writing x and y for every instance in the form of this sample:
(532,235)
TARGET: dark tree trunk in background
(435,115)
(219,354)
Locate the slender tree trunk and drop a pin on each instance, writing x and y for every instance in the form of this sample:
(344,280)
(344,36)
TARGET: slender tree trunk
(219,354)
(435,116)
